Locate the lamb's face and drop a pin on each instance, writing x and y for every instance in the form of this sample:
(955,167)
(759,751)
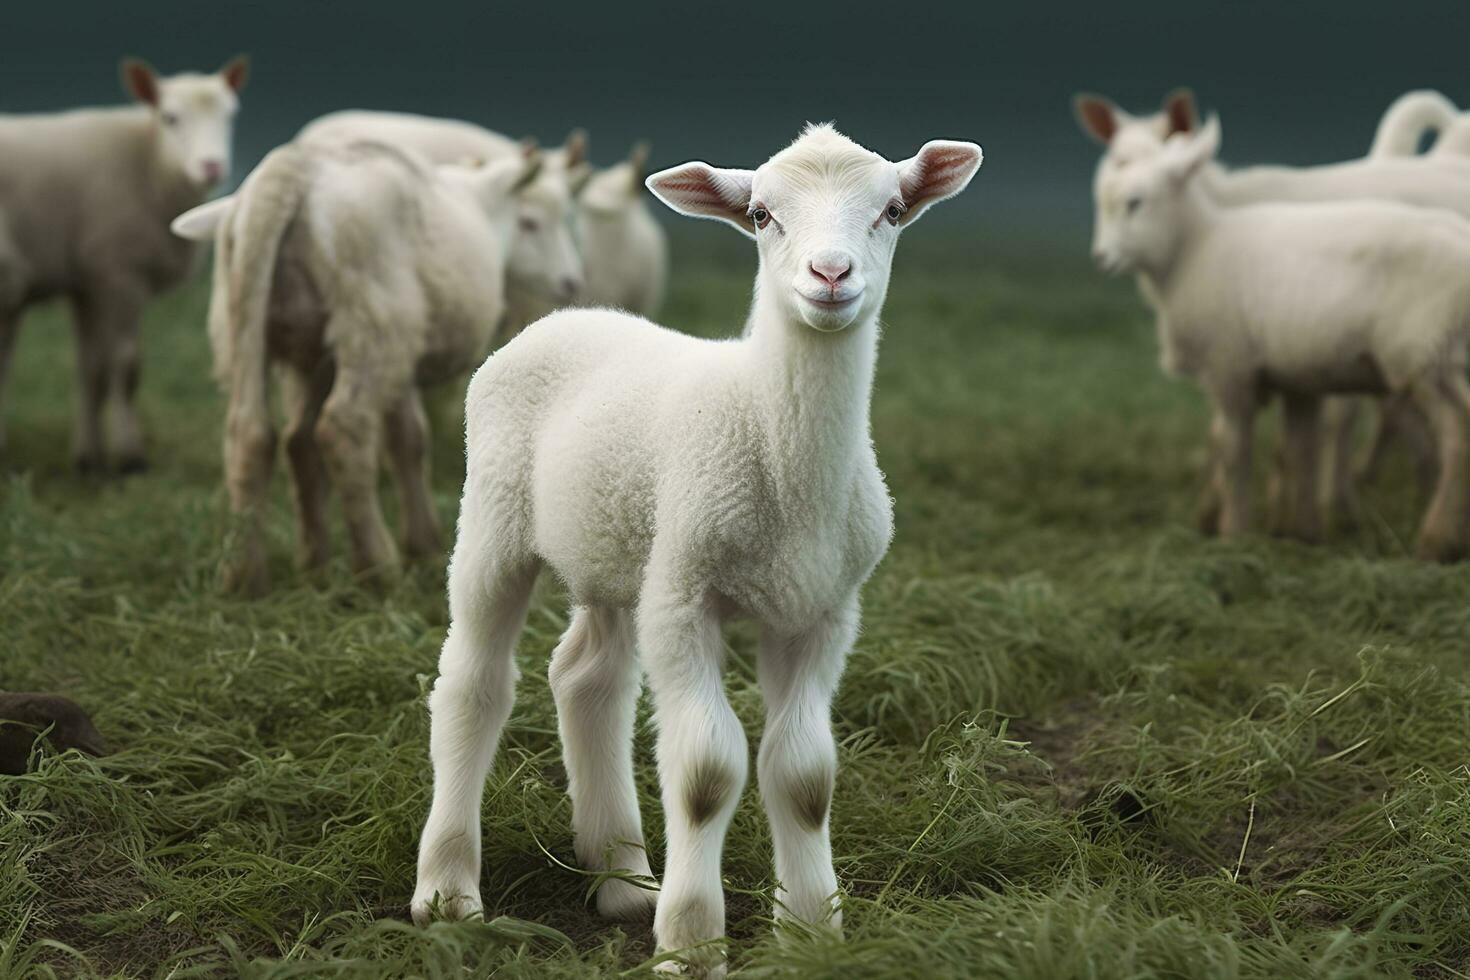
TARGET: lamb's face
(1140,199)
(825,214)
(194,116)
(543,254)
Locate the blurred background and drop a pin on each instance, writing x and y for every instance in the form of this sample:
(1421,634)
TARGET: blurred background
(1297,82)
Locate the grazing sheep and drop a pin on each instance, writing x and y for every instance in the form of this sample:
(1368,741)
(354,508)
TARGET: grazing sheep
(366,273)
(624,249)
(672,482)
(545,270)
(1441,182)
(1301,300)
(85,201)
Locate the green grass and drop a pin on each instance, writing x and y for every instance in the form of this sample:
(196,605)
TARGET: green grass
(1077,739)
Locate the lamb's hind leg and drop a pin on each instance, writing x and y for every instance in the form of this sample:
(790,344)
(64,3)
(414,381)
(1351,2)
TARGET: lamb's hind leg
(798,760)
(595,680)
(348,432)
(702,769)
(489,594)
(304,395)
(1231,431)
(1302,457)
(1445,532)
(406,428)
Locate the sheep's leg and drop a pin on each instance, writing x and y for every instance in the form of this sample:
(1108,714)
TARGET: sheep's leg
(250,450)
(407,430)
(124,364)
(348,433)
(702,769)
(1339,498)
(798,761)
(9,327)
(488,600)
(1302,454)
(1230,430)
(90,333)
(304,396)
(1207,507)
(595,680)
(1445,532)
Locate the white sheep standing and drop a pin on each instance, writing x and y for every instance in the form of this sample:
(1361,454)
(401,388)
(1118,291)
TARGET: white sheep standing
(1302,300)
(672,482)
(85,201)
(1437,181)
(365,273)
(624,248)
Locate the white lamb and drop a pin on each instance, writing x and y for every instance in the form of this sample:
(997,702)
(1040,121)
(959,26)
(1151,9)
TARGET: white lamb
(85,201)
(1301,300)
(624,249)
(366,274)
(1442,181)
(672,482)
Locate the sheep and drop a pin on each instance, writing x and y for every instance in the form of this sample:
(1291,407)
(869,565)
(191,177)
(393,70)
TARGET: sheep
(366,273)
(85,201)
(1442,181)
(672,482)
(1301,300)
(546,270)
(624,249)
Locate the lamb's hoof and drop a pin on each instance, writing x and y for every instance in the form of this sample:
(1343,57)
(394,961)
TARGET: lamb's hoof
(89,464)
(24,716)
(623,900)
(247,578)
(132,465)
(1207,518)
(428,906)
(1445,550)
(707,970)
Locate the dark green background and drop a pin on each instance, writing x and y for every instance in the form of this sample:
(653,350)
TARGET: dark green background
(1294,81)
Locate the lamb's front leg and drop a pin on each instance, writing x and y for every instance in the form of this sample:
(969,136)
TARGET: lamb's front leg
(798,760)
(1302,457)
(702,769)
(1230,432)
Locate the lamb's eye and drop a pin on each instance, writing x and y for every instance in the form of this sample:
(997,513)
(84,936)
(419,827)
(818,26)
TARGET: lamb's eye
(893,213)
(760,216)
(168,118)
(1134,203)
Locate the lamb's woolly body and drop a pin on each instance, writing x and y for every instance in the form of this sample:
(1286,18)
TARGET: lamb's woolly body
(672,482)
(367,274)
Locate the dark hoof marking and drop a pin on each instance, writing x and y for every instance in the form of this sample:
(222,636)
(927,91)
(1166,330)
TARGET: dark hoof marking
(811,797)
(710,786)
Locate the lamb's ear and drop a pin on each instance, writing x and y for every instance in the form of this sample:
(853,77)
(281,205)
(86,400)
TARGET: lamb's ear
(514,175)
(1180,115)
(199,224)
(939,171)
(1185,154)
(236,71)
(638,164)
(140,80)
(702,191)
(575,148)
(1097,116)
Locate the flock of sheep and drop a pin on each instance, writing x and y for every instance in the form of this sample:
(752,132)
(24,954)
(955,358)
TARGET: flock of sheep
(671,482)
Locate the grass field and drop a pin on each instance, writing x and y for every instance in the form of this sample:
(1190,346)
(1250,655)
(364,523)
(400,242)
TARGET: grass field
(1076,738)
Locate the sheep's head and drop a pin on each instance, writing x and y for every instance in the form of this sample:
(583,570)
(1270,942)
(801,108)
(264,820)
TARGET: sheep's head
(195,115)
(825,214)
(613,192)
(543,256)
(1139,205)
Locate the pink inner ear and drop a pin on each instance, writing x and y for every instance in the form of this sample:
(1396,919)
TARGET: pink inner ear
(1098,119)
(934,173)
(695,189)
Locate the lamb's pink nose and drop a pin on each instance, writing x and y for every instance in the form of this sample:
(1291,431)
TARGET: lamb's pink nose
(831,267)
(213,170)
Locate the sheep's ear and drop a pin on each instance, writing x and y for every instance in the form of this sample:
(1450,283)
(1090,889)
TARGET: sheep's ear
(524,172)
(1186,153)
(140,80)
(638,164)
(1180,115)
(1097,116)
(702,191)
(939,171)
(575,148)
(236,71)
(199,224)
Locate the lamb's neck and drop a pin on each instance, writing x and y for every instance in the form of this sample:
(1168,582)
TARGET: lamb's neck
(168,191)
(1196,215)
(814,390)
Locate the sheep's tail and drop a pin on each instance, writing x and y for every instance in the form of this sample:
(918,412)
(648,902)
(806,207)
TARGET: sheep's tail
(1407,119)
(265,206)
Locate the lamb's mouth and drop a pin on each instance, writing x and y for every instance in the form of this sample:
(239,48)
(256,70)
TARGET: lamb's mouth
(832,304)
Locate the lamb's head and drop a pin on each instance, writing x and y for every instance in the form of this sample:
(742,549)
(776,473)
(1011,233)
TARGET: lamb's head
(612,193)
(1141,207)
(497,186)
(194,116)
(1128,137)
(825,214)
(543,258)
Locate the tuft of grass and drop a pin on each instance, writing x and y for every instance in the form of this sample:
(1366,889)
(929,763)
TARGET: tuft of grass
(1077,739)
